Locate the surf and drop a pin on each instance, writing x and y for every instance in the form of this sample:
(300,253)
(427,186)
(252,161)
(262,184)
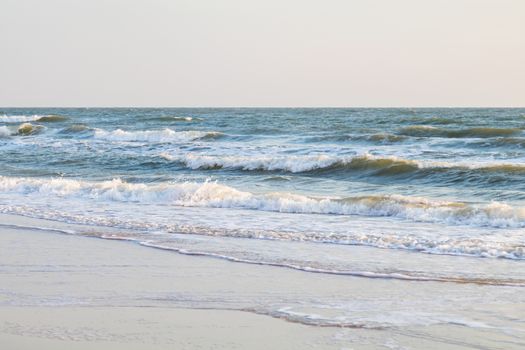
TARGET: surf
(155,136)
(216,195)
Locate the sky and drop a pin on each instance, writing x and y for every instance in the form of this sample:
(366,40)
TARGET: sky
(264,53)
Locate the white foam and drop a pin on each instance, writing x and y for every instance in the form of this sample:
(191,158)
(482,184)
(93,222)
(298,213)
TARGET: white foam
(19,118)
(212,194)
(187,119)
(159,136)
(289,163)
(305,163)
(4,131)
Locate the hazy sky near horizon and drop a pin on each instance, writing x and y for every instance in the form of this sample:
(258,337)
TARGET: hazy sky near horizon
(262,53)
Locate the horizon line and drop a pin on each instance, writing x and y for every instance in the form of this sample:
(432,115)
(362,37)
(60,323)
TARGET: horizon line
(269,107)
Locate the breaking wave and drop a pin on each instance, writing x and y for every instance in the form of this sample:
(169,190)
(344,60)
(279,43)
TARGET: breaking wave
(155,136)
(19,118)
(31,118)
(215,195)
(376,165)
(4,131)
(171,118)
(182,119)
(294,164)
(27,129)
(52,118)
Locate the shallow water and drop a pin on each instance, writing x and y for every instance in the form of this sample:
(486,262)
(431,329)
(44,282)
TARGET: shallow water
(424,195)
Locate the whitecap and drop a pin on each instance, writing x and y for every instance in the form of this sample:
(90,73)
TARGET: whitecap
(215,195)
(158,136)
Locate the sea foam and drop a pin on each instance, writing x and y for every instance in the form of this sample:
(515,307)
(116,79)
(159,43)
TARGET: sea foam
(215,195)
(156,136)
(32,118)
(19,118)
(4,131)
(380,165)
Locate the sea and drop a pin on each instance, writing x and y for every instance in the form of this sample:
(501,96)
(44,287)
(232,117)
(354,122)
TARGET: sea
(406,194)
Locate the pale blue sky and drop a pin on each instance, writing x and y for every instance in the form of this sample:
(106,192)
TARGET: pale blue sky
(262,53)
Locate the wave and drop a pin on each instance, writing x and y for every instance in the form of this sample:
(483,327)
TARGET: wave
(52,118)
(24,129)
(171,118)
(75,129)
(382,138)
(374,165)
(481,132)
(514,141)
(294,164)
(215,195)
(19,118)
(437,120)
(31,118)
(429,120)
(182,119)
(506,142)
(27,129)
(471,247)
(155,136)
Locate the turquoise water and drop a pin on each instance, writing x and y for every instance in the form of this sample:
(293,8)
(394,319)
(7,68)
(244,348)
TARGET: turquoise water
(428,181)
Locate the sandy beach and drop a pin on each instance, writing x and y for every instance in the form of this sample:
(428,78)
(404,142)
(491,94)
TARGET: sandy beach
(62,291)
(267,175)
(65,292)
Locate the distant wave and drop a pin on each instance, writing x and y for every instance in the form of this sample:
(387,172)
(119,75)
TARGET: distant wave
(156,136)
(435,120)
(380,138)
(377,165)
(75,128)
(19,118)
(170,118)
(298,164)
(184,119)
(52,118)
(211,194)
(294,164)
(505,142)
(485,138)
(481,132)
(26,129)
(31,118)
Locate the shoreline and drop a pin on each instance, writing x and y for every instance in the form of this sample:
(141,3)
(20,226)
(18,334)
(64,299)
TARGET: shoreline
(61,322)
(71,291)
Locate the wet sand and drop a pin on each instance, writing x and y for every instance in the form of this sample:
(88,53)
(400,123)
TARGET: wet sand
(61,291)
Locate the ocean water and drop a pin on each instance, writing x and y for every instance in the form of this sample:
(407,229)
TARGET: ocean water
(405,194)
